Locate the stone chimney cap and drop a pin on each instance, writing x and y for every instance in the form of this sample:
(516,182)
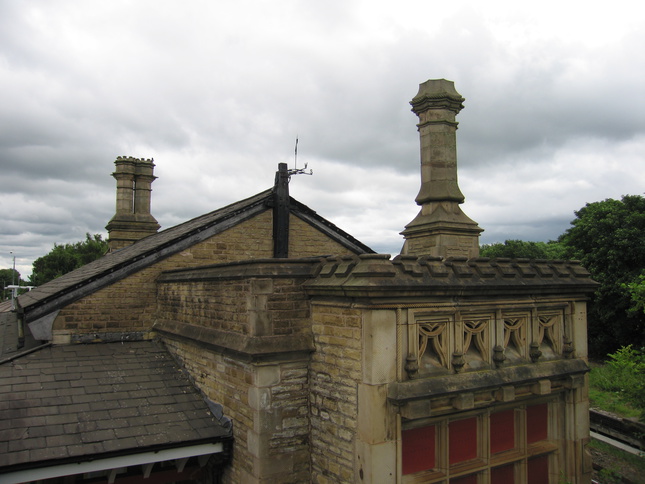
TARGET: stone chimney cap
(437,93)
(132,158)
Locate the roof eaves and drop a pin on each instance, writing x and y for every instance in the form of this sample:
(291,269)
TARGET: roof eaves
(51,468)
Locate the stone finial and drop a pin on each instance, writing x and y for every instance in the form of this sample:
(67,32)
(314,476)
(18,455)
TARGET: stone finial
(441,228)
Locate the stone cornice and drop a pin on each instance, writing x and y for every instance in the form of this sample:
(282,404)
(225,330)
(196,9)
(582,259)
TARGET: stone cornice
(375,275)
(401,393)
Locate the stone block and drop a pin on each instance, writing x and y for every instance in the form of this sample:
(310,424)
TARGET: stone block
(375,463)
(464,401)
(505,394)
(379,346)
(267,375)
(374,422)
(262,286)
(542,387)
(259,398)
(61,337)
(416,409)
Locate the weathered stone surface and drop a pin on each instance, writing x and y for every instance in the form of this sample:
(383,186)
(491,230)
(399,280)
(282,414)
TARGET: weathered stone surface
(407,276)
(490,379)
(440,228)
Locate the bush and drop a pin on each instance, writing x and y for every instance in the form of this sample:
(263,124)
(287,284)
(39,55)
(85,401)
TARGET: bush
(624,374)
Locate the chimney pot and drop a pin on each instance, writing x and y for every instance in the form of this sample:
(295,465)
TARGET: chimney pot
(132,220)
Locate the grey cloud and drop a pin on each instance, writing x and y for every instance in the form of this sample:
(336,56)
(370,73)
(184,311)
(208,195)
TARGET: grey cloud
(216,94)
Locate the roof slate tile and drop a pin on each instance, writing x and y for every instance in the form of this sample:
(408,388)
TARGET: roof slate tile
(128,396)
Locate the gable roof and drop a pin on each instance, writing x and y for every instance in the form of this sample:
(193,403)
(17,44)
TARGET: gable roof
(80,403)
(145,252)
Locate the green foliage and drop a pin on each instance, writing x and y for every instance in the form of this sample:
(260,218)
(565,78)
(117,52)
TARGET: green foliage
(636,290)
(608,237)
(608,397)
(65,258)
(519,249)
(610,476)
(7,276)
(623,376)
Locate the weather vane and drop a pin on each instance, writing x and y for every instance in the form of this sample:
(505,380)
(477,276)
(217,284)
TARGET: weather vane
(295,170)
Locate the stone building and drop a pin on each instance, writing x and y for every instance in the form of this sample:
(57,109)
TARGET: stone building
(333,363)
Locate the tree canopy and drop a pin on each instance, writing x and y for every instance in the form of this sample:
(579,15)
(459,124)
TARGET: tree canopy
(519,249)
(608,237)
(65,258)
(7,276)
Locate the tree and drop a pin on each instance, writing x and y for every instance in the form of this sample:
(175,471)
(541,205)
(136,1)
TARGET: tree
(7,277)
(519,249)
(65,258)
(637,292)
(608,237)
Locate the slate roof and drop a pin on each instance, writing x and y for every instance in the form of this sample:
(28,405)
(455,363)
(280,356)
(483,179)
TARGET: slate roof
(62,404)
(145,252)
(9,346)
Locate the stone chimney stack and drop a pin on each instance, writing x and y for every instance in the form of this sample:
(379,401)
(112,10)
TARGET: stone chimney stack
(132,220)
(441,228)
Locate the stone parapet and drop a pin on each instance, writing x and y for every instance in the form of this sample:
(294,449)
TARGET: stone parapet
(261,298)
(375,275)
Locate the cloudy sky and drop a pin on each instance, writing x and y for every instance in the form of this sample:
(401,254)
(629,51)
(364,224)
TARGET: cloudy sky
(217,91)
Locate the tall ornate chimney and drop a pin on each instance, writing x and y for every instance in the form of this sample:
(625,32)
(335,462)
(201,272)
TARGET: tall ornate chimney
(132,220)
(440,228)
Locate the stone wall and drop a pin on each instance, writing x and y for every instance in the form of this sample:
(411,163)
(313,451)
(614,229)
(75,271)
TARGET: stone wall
(129,305)
(334,374)
(268,406)
(250,306)
(446,340)
(243,329)
(305,241)
(226,381)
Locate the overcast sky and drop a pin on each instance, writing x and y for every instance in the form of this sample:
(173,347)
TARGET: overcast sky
(217,91)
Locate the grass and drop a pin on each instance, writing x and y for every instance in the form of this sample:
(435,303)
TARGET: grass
(610,386)
(604,394)
(611,402)
(620,455)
